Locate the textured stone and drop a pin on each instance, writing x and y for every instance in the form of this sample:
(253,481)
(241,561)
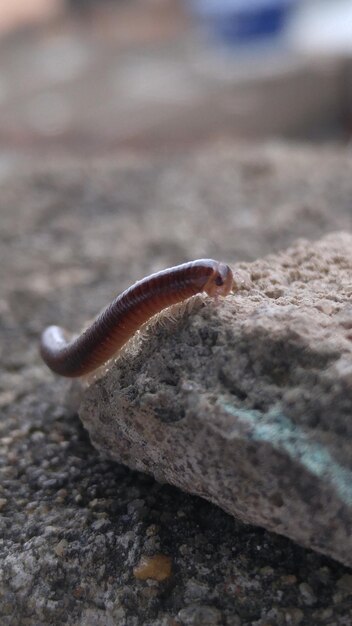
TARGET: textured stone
(247,402)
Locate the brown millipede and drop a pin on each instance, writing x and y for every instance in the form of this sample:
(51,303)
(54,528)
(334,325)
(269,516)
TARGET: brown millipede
(128,312)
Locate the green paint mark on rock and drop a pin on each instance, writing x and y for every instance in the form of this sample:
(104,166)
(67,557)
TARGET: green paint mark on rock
(278,430)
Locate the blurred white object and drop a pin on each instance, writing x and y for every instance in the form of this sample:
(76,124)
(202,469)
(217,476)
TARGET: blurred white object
(323,26)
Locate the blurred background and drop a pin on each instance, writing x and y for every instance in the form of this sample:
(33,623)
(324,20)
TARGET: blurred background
(91,76)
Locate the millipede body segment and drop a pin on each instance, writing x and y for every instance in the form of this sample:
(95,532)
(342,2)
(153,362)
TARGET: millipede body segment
(128,312)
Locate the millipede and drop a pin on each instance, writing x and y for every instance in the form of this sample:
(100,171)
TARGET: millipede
(120,320)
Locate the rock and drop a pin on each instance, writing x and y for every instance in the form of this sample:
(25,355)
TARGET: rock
(201,615)
(247,402)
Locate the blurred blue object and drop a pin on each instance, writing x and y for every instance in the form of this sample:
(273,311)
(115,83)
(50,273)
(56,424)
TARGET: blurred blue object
(244,21)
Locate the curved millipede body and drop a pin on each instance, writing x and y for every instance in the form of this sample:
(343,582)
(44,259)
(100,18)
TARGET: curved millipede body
(128,312)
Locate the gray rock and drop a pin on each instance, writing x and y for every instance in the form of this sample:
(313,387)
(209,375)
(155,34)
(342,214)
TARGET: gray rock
(199,615)
(247,402)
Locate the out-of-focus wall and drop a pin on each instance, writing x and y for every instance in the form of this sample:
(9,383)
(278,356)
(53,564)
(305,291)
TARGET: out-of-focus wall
(147,74)
(17,13)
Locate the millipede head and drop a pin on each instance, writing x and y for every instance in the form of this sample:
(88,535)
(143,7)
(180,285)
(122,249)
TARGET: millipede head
(220,282)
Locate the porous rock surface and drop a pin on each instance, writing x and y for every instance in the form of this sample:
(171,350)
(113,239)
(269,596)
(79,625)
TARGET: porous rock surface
(248,402)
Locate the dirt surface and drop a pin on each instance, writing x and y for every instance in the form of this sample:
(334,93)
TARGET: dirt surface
(73,528)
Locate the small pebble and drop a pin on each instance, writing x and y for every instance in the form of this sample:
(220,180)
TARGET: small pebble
(307,594)
(157,567)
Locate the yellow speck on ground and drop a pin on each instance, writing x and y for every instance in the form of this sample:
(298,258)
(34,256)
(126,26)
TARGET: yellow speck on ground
(157,567)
